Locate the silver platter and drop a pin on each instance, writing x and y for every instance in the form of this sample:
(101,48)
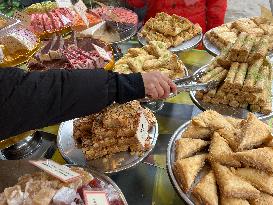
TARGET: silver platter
(115,163)
(215,51)
(185,46)
(225,109)
(21,167)
(170,164)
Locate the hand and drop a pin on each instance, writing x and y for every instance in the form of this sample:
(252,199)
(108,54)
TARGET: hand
(157,85)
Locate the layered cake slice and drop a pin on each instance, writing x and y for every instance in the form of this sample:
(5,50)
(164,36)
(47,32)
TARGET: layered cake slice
(117,128)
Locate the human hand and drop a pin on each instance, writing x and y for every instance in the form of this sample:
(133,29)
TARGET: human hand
(157,85)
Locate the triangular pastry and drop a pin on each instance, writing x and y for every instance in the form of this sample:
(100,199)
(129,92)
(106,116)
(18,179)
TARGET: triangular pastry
(196,132)
(231,185)
(263,199)
(186,147)
(221,152)
(261,158)
(254,132)
(233,201)
(188,168)
(206,190)
(259,179)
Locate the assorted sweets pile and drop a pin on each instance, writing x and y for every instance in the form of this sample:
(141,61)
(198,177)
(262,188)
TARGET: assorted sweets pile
(118,24)
(153,57)
(245,76)
(41,188)
(119,127)
(172,30)
(70,53)
(47,18)
(227,33)
(16,41)
(223,160)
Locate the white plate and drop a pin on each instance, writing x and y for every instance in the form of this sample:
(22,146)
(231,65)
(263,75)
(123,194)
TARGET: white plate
(115,163)
(185,46)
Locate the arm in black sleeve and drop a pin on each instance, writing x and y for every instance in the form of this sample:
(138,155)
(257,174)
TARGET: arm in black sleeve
(31,100)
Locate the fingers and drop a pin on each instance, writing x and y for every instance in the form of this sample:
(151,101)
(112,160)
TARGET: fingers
(158,86)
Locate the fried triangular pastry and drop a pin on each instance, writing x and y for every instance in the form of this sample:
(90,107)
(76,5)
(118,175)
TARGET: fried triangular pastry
(206,190)
(186,147)
(196,132)
(261,158)
(188,168)
(232,186)
(221,152)
(253,133)
(263,199)
(233,201)
(259,179)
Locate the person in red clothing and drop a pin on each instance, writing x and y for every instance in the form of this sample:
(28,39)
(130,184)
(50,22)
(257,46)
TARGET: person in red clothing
(207,13)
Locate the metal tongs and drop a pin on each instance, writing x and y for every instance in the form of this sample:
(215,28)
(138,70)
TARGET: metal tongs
(190,83)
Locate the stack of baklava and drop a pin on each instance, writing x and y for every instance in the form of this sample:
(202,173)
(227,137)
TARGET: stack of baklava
(172,30)
(245,75)
(117,128)
(259,27)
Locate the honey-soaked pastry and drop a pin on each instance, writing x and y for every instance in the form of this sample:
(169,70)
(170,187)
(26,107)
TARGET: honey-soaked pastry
(220,151)
(261,158)
(153,57)
(170,29)
(196,132)
(233,186)
(263,199)
(188,168)
(186,147)
(206,190)
(233,201)
(254,132)
(259,179)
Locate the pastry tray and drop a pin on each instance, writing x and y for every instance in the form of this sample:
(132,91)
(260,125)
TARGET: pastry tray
(12,170)
(112,164)
(171,160)
(225,109)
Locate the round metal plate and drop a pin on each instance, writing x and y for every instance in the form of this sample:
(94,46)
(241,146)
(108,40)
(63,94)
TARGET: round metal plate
(105,179)
(225,109)
(185,46)
(171,160)
(115,163)
(214,50)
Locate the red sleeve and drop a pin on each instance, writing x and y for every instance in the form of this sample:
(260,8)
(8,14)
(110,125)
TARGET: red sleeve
(216,10)
(136,3)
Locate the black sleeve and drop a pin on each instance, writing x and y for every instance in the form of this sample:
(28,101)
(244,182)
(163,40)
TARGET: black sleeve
(31,100)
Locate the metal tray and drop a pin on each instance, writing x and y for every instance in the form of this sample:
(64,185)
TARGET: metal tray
(115,163)
(225,109)
(170,162)
(215,51)
(12,170)
(185,46)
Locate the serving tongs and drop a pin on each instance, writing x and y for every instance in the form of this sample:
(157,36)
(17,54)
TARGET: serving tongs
(190,83)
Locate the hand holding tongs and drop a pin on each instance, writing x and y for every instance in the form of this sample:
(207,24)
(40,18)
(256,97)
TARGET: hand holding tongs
(190,83)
